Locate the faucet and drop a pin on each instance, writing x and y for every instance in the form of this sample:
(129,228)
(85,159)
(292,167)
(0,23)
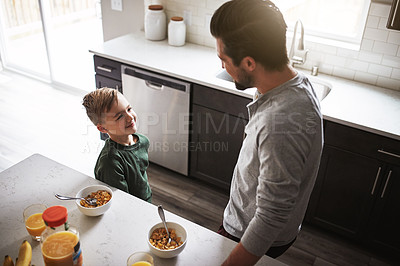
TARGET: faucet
(298,55)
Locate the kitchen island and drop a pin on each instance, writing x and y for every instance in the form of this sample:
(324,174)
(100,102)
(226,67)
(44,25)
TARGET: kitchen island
(108,239)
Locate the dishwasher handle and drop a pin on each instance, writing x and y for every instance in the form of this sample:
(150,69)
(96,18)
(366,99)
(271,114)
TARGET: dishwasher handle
(153,85)
(156,81)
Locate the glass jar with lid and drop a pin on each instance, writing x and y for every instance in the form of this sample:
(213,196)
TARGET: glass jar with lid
(176,31)
(155,23)
(60,242)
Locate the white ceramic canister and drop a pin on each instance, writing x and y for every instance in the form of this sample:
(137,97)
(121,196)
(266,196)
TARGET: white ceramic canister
(176,31)
(155,23)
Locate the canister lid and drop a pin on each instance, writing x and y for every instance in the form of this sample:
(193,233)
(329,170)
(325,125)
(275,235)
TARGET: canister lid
(155,7)
(55,216)
(177,18)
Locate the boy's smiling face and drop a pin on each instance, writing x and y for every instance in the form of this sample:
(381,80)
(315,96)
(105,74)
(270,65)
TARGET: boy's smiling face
(120,120)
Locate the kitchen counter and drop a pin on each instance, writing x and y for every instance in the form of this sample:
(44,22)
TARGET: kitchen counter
(108,239)
(351,103)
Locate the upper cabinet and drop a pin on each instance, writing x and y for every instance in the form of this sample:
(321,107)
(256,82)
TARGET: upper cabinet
(393,22)
(394,16)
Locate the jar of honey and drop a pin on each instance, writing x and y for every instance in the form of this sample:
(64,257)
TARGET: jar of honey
(60,242)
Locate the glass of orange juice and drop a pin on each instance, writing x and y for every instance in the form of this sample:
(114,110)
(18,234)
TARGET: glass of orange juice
(140,259)
(33,220)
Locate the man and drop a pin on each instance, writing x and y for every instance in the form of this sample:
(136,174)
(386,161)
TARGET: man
(280,155)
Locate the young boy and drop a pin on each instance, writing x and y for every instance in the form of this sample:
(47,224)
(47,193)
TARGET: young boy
(123,161)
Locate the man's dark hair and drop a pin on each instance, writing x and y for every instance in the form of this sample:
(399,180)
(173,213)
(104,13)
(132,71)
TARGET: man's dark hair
(254,28)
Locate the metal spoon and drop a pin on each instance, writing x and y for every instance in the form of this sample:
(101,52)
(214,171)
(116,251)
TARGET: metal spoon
(90,201)
(162,216)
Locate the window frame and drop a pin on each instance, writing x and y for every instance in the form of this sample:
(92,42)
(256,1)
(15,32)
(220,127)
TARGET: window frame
(334,39)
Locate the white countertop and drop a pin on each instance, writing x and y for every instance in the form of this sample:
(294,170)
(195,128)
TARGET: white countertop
(108,239)
(355,104)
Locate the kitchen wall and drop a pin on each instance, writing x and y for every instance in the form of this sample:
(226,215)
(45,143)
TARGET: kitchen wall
(116,23)
(377,62)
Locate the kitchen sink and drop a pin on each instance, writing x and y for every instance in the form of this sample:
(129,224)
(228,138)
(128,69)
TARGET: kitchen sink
(321,87)
(224,75)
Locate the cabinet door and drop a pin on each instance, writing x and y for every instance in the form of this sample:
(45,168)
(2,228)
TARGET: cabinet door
(102,81)
(215,144)
(384,230)
(343,194)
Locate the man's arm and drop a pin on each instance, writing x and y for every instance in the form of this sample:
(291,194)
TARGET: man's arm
(240,257)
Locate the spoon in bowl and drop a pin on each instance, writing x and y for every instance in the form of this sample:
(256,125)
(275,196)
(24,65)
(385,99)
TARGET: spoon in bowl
(90,201)
(162,216)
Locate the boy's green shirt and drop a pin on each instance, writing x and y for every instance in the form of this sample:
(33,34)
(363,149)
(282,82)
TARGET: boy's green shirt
(124,167)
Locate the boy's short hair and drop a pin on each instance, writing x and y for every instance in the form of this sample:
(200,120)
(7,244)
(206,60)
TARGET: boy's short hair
(98,102)
(254,28)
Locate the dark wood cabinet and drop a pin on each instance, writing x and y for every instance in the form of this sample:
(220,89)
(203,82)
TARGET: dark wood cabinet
(357,192)
(383,229)
(108,74)
(218,122)
(342,194)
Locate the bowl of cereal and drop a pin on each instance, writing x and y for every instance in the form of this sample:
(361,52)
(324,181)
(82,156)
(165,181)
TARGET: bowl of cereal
(102,194)
(157,240)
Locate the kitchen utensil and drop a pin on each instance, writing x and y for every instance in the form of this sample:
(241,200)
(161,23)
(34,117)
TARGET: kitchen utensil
(162,216)
(90,201)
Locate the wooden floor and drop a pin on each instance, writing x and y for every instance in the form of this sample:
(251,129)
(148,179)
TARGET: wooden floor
(37,118)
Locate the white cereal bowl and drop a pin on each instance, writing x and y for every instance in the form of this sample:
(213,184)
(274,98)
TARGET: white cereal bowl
(84,192)
(180,232)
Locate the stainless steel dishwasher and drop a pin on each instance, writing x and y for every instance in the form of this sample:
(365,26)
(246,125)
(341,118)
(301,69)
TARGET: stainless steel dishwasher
(162,106)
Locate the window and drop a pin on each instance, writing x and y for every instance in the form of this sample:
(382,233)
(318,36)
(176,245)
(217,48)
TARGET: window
(50,39)
(338,20)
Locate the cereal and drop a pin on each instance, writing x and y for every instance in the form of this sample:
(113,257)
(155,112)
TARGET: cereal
(102,197)
(159,239)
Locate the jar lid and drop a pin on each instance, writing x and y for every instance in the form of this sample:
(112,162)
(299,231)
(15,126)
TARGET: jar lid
(155,7)
(55,216)
(177,18)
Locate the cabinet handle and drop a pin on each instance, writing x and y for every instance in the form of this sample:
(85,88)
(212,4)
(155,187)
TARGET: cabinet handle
(386,183)
(109,70)
(376,180)
(389,153)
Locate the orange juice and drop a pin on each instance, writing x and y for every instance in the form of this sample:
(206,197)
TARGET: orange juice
(141,263)
(35,224)
(58,248)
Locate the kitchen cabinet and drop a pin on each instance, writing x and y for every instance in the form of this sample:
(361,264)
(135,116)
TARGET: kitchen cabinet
(357,191)
(108,74)
(218,122)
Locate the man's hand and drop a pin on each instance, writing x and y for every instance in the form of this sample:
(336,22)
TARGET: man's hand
(240,257)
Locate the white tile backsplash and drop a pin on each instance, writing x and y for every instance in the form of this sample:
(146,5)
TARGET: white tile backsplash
(385,48)
(376,34)
(394,37)
(377,62)
(380,69)
(379,10)
(396,74)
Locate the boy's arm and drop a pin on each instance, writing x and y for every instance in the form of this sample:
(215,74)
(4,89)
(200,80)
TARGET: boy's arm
(111,172)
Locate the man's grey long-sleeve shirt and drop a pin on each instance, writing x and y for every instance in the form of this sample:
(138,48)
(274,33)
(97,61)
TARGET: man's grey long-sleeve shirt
(277,166)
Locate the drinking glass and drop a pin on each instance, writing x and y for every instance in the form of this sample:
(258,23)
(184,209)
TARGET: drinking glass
(140,259)
(34,223)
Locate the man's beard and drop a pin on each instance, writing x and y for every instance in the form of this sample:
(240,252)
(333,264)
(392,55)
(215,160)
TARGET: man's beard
(245,81)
